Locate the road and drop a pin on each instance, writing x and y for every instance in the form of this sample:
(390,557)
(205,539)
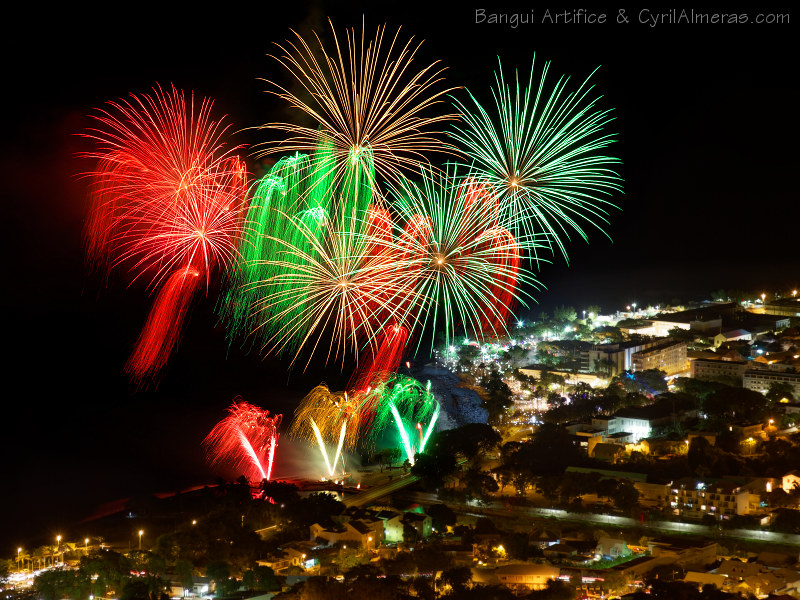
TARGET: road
(497,510)
(384,489)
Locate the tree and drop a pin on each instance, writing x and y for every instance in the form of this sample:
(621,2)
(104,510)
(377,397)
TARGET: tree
(392,455)
(433,469)
(402,564)
(786,520)
(565,314)
(778,390)
(603,366)
(469,440)
(148,562)
(315,508)
(555,590)
(593,310)
(498,396)
(457,578)
(61,582)
(730,403)
(442,516)
(467,355)
(265,580)
(478,484)
(218,571)
(322,588)
(681,335)
(279,492)
(626,496)
(431,560)
(410,534)
(144,588)
(184,573)
(107,569)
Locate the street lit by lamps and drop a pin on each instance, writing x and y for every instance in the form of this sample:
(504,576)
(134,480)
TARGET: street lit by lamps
(141,533)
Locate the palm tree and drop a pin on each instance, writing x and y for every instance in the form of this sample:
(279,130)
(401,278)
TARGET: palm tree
(21,558)
(40,554)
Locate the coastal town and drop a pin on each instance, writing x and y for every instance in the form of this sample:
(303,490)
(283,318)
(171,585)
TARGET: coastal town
(651,452)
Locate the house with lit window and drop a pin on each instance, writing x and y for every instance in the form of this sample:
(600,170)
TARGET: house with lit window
(639,421)
(692,498)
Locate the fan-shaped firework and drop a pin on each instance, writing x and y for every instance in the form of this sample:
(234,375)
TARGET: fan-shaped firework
(167,201)
(327,412)
(245,440)
(404,401)
(364,96)
(541,150)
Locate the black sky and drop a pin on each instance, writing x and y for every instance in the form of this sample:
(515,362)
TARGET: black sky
(708,130)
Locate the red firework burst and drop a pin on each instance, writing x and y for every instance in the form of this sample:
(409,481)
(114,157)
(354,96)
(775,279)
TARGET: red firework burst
(245,440)
(168,199)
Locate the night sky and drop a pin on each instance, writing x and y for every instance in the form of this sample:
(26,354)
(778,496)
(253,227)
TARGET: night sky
(708,129)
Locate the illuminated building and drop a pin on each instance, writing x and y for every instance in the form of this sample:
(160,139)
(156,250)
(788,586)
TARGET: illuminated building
(669,357)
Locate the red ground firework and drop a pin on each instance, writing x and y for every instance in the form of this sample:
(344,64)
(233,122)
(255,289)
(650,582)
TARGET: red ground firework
(168,200)
(245,440)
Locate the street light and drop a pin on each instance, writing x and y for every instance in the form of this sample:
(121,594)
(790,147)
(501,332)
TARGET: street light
(86,545)
(141,533)
(18,551)
(763,296)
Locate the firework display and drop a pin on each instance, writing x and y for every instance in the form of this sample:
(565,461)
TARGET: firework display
(353,246)
(541,150)
(341,420)
(167,203)
(245,440)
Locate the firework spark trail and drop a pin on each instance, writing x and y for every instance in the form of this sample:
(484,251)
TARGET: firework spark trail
(330,465)
(365,97)
(162,329)
(245,440)
(541,150)
(167,198)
